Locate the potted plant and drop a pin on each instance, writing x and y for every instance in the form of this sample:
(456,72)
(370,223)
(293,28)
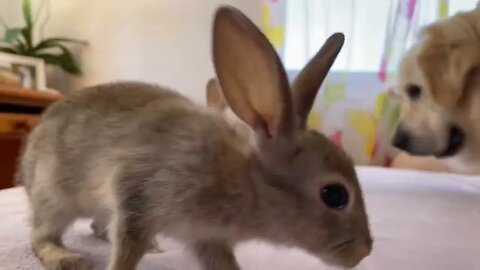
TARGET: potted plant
(53,51)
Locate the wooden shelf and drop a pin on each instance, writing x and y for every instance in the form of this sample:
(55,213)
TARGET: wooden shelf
(27,97)
(15,126)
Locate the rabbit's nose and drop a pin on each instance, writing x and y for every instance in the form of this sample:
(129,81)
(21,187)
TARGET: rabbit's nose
(369,242)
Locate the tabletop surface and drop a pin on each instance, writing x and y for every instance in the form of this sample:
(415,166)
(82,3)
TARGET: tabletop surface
(419,221)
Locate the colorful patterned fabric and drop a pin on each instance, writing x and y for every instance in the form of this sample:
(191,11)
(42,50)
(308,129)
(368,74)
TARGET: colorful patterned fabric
(356,111)
(273,16)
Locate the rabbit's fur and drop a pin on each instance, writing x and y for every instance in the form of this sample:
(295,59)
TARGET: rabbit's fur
(215,100)
(145,159)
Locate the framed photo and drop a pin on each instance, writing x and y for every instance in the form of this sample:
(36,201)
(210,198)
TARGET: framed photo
(30,71)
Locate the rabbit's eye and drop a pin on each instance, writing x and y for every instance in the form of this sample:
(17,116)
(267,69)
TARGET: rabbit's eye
(335,196)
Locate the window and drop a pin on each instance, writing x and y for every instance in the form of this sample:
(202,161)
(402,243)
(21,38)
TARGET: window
(365,24)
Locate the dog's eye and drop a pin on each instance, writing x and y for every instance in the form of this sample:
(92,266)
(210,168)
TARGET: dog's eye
(335,196)
(414,91)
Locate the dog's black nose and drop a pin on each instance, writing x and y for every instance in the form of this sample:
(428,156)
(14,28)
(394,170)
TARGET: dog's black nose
(401,139)
(457,136)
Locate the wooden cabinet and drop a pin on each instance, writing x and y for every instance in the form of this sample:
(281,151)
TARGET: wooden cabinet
(20,110)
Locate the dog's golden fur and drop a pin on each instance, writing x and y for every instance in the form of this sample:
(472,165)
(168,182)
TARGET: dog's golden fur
(445,65)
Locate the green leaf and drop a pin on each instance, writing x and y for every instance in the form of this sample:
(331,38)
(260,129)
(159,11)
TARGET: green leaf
(54,42)
(21,48)
(64,60)
(27,12)
(27,35)
(27,31)
(8,50)
(11,35)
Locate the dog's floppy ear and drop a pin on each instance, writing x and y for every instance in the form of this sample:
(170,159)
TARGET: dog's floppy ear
(250,74)
(449,53)
(308,81)
(215,97)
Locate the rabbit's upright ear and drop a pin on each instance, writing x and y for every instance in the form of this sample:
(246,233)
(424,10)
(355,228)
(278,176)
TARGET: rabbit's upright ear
(308,82)
(251,75)
(214,96)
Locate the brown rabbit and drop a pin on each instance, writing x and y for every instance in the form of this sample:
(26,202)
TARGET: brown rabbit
(216,100)
(214,96)
(152,161)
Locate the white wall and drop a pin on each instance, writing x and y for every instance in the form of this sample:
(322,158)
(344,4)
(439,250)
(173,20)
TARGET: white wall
(161,41)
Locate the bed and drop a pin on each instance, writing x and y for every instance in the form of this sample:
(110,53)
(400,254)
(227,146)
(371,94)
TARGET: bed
(420,220)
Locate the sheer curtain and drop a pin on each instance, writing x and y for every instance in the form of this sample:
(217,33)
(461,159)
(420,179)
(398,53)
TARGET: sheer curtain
(353,108)
(366,24)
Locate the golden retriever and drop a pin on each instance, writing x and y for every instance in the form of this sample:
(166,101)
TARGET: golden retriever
(439,84)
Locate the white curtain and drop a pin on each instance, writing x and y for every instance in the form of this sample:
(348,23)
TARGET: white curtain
(353,109)
(365,23)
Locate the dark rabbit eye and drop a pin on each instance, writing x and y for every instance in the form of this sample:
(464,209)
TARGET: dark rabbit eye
(335,196)
(414,91)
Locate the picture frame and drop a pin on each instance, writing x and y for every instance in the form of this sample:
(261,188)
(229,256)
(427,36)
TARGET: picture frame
(31,70)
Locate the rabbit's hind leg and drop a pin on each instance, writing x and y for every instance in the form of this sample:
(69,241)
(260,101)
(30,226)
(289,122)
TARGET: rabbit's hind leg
(48,224)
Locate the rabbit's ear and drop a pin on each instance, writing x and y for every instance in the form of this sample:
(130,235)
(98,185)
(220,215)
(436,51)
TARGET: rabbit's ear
(308,82)
(251,75)
(214,96)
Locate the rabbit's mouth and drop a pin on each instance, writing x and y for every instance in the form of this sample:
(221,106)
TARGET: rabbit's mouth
(347,253)
(342,244)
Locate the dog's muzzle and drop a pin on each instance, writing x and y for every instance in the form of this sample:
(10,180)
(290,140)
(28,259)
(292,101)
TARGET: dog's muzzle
(456,140)
(407,142)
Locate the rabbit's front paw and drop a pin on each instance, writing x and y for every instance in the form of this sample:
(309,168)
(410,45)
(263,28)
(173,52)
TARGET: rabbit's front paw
(155,247)
(99,230)
(68,262)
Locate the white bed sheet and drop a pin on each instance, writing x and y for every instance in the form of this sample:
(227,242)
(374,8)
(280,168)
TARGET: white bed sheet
(419,220)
